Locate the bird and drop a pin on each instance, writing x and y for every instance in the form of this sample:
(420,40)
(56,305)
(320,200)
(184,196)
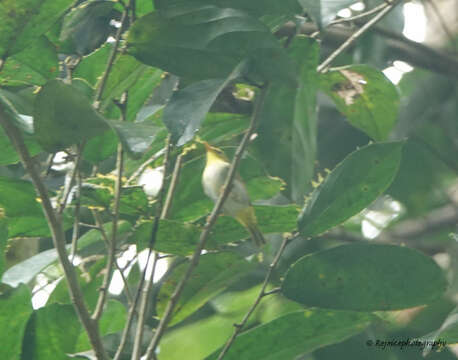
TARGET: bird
(237,204)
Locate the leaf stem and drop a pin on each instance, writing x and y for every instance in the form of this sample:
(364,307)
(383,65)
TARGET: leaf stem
(58,236)
(356,35)
(206,231)
(239,327)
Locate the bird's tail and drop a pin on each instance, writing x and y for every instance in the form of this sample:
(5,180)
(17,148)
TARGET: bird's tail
(256,235)
(247,218)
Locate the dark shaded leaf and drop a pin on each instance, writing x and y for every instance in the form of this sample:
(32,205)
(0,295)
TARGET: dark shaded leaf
(23,21)
(365,277)
(64,116)
(205,42)
(448,332)
(366,97)
(297,333)
(214,273)
(287,141)
(187,108)
(87,27)
(15,310)
(354,184)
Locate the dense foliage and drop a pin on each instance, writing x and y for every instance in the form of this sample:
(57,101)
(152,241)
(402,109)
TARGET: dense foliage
(104,106)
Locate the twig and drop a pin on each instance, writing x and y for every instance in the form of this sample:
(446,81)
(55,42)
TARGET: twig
(360,16)
(143,166)
(69,186)
(76,219)
(2,63)
(239,327)
(132,309)
(146,286)
(173,186)
(58,236)
(356,36)
(114,228)
(112,57)
(206,231)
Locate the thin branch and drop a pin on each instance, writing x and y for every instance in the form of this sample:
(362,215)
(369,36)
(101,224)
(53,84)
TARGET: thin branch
(360,16)
(76,219)
(206,231)
(143,166)
(173,186)
(239,327)
(132,309)
(114,228)
(58,236)
(146,286)
(356,36)
(112,57)
(68,187)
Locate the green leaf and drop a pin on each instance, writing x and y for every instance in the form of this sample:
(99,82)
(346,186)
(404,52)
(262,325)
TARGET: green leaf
(173,237)
(287,141)
(26,270)
(87,27)
(23,21)
(294,334)
(112,320)
(324,11)
(101,147)
(205,42)
(214,273)
(8,155)
(22,210)
(355,183)
(14,105)
(92,66)
(365,96)
(271,219)
(15,310)
(3,241)
(365,277)
(64,116)
(136,137)
(55,330)
(187,108)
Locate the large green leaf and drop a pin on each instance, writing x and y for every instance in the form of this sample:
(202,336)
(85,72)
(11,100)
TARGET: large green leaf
(214,273)
(324,11)
(365,277)
(287,141)
(91,67)
(63,116)
(294,334)
(204,42)
(87,27)
(173,237)
(22,210)
(187,108)
(33,65)
(365,96)
(55,329)
(23,21)
(15,310)
(355,183)
(8,155)
(15,106)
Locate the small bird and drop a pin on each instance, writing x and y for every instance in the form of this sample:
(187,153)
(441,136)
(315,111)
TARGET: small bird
(238,203)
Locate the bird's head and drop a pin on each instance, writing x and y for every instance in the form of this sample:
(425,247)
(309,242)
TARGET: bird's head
(214,154)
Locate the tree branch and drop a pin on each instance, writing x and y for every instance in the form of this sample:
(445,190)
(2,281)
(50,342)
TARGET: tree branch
(355,36)
(58,236)
(398,47)
(206,231)
(239,327)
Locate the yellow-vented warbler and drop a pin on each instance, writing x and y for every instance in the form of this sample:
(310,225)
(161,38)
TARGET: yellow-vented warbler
(237,203)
